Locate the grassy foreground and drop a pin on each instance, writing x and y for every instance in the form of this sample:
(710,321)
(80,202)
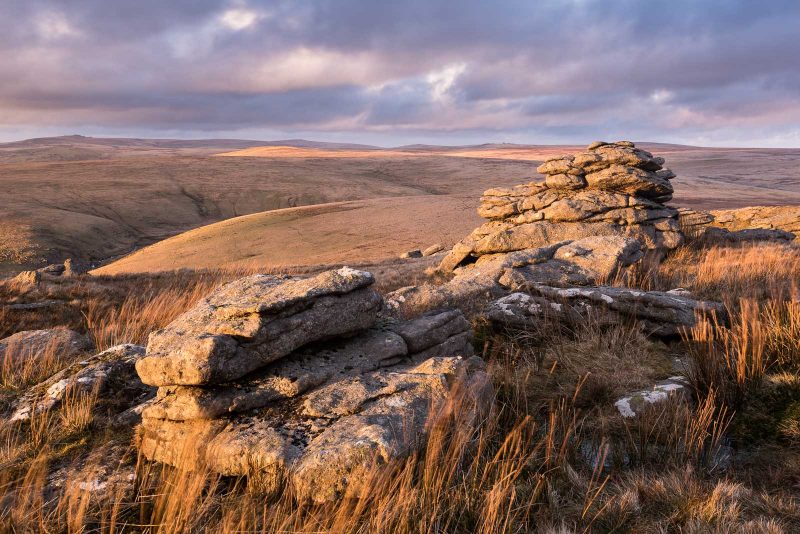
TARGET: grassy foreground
(553,455)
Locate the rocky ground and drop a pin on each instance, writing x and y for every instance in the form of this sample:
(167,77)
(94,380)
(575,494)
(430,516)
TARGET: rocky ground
(589,358)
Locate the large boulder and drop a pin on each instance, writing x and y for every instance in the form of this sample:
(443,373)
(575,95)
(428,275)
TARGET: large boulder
(254,321)
(324,442)
(27,344)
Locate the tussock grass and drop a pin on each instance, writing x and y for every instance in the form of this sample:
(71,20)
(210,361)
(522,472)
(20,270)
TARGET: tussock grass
(552,456)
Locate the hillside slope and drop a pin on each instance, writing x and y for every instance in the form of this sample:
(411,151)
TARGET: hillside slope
(380,229)
(358,231)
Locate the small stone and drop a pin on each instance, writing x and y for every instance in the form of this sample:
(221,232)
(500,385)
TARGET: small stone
(634,404)
(596,144)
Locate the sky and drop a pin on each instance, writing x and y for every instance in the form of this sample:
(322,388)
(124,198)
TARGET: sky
(384,72)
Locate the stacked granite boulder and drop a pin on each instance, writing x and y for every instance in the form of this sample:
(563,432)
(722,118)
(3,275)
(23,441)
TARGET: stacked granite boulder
(610,189)
(300,382)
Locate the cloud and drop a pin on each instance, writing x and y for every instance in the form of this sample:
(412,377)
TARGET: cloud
(544,71)
(52,25)
(238,19)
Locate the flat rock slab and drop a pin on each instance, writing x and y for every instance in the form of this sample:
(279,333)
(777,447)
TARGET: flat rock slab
(254,321)
(433,328)
(784,218)
(715,235)
(659,313)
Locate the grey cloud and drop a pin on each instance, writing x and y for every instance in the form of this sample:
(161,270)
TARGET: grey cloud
(550,68)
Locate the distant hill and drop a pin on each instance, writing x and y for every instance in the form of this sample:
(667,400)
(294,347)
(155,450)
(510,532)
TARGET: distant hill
(81,148)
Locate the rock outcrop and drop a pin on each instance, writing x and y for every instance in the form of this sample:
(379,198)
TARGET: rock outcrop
(585,261)
(555,248)
(611,189)
(298,381)
(779,220)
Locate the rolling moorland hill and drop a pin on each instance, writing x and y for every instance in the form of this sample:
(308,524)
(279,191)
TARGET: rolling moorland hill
(97,199)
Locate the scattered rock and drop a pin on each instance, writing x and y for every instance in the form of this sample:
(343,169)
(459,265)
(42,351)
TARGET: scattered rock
(586,261)
(416,253)
(56,269)
(110,374)
(433,249)
(634,404)
(33,343)
(73,268)
(27,278)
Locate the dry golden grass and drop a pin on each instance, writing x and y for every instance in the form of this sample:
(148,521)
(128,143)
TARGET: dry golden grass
(728,273)
(138,315)
(552,456)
